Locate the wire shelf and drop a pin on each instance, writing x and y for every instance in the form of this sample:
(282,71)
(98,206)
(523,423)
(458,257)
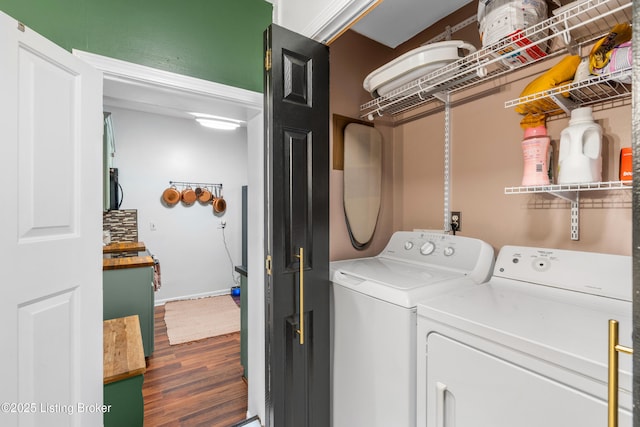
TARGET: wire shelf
(574,24)
(564,189)
(571,192)
(562,99)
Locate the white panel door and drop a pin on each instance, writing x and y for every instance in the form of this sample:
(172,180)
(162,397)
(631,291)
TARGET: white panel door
(50,233)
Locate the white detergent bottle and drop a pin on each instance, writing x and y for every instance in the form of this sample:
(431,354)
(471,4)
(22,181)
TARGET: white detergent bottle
(535,153)
(580,157)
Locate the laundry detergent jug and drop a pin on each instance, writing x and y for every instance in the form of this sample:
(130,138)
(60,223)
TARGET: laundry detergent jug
(535,152)
(580,158)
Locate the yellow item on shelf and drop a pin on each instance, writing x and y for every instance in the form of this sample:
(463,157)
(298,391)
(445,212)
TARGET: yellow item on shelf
(532,120)
(556,76)
(601,51)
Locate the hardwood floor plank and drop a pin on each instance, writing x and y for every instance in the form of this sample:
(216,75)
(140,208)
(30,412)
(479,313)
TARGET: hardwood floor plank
(194,384)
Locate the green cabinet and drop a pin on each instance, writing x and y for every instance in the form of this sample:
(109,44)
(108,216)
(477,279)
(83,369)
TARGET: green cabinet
(125,402)
(129,291)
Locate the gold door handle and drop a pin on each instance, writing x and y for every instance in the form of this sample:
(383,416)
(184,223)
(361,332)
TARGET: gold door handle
(300,331)
(614,349)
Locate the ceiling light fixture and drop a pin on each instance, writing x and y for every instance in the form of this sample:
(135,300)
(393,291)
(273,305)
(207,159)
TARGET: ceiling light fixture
(216,122)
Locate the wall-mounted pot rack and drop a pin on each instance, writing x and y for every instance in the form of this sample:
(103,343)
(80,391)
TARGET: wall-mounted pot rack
(196,184)
(214,197)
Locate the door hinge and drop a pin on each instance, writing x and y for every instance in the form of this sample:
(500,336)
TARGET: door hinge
(267,264)
(21,26)
(267,60)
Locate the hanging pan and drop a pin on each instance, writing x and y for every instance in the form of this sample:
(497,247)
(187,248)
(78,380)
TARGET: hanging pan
(219,204)
(189,195)
(171,195)
(205,196)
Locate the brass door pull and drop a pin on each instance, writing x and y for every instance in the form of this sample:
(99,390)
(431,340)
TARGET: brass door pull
(300,331)
(614,349)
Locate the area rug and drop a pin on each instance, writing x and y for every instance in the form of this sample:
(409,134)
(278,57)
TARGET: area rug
(196,319)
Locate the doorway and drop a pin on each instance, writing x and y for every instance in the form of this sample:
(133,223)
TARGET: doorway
(132,86)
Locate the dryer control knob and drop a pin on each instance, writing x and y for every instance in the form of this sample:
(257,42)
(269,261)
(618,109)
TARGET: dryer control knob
(408,245)
(448,251)
(427,248)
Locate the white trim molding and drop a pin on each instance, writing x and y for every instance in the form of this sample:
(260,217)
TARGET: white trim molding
(328,20)
(127,72)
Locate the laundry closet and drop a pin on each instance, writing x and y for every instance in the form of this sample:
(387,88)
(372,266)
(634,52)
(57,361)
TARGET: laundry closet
(484,159)
(458,137)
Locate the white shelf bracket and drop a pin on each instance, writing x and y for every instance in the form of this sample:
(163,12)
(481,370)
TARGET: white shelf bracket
(575,218)
(564,103)
(447,159)
(571,196)
(442,97)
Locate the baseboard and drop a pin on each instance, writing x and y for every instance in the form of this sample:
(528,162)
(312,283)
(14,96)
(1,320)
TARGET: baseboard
(193,296)
(251,422)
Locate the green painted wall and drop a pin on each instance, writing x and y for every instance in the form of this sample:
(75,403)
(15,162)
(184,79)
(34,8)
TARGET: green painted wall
(216,40)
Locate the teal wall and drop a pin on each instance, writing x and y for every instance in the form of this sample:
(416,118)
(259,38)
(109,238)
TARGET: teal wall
(216,40)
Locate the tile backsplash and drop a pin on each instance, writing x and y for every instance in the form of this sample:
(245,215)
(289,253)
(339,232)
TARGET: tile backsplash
(122,224)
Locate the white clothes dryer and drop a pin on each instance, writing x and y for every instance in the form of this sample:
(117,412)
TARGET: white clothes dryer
(529,348)
(374,321)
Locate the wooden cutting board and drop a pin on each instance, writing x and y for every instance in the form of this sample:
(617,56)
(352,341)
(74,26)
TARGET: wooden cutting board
(123,355)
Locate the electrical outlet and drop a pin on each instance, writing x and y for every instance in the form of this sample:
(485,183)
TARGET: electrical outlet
(456,218)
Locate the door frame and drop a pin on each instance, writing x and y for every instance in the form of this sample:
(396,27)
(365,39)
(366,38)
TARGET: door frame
(135,75)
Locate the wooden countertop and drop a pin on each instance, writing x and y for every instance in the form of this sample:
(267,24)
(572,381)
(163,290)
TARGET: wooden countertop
(125,255)
(127,262)
(123,247)
(123,355)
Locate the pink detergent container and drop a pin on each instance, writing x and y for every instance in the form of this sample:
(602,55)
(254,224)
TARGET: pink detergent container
(535,151)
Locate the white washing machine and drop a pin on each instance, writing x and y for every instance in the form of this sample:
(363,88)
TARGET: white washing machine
(530,347)
(374,321)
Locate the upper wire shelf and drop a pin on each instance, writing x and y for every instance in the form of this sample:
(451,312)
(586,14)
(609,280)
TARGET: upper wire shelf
(577,23)
(563,99)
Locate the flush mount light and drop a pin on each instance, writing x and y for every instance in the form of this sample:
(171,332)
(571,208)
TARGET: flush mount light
(216,122)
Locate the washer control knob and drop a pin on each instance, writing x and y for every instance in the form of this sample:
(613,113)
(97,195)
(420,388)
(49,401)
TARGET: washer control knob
(427,248)
(408,245)
(448,251)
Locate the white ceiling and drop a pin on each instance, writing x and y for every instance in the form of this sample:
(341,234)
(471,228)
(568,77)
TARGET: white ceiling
(173,102)
(141,88)
(393,22)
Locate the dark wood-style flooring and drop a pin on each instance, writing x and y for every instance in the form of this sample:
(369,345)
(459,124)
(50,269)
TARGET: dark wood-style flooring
(194,384)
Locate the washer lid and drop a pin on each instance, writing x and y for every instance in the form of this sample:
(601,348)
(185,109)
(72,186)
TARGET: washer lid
(394,281)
